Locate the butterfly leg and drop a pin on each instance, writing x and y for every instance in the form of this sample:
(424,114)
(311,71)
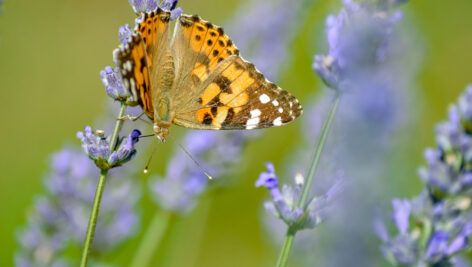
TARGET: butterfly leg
(129,117)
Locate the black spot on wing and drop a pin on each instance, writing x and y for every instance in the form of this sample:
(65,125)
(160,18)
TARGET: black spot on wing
(207,119)
(224,84)
(214,111)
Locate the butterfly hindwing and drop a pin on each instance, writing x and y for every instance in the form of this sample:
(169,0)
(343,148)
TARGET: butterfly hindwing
(237,96)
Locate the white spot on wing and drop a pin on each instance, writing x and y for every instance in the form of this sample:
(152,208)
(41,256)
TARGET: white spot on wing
(277,121)
(281,110)
(133,88)
(275,103)
(264,98)
(252,123)
(128,66)
(255,113)
(133,83)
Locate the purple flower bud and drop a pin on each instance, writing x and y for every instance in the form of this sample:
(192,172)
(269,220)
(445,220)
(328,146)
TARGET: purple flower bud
(96,147)
(401,211)
(126,150)
(268,179)
(437,246)
(175,13)
(124,35)
(168,5)
(112,80)
(138,5)
(151,5)
(380,230)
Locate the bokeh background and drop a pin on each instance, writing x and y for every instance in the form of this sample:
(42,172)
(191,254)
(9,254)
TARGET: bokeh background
(51,53)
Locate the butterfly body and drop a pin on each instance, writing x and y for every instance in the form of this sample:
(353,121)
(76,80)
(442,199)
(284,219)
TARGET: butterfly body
(197,79)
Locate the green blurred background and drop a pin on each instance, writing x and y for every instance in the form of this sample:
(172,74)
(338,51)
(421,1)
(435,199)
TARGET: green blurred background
(51,53)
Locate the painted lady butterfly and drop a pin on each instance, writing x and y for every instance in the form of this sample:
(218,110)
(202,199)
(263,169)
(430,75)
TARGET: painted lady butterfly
(197,79)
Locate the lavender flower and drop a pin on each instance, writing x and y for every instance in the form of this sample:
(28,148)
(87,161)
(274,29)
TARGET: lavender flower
(112,80)
(264,28)
(438,224)
(170,5)
(124,34)
(97,147)
(284,204)
(126,150)
(59,218)
(358,39)
(372,63)
(184,182)
(140,6)
(147,6)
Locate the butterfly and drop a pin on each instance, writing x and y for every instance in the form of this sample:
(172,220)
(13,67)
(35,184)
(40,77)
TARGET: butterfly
(196,79)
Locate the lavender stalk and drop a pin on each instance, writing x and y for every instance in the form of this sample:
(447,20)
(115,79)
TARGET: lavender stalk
(99,192)
(283,257)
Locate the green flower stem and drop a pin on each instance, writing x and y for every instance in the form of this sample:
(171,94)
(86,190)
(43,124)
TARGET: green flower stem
(319,148)
(151,239)
(118,125)
(181,242)
(283,257)
(99,192)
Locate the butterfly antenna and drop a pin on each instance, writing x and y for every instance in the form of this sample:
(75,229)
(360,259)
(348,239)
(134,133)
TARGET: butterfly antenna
(193,159)
(146,169)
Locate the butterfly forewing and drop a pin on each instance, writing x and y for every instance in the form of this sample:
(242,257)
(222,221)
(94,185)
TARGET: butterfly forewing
(141,60)
(132,61)
(198,48)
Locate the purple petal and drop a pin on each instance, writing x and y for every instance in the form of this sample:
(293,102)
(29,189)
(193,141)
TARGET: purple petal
(380,230)
(401,210)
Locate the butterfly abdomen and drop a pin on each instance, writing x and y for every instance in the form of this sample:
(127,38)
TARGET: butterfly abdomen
(166,72)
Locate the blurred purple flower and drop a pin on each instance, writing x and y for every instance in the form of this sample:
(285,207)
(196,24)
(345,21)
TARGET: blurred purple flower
(373,63)
(284,204)
(184,181)
(359,38)
(401,213)
(59,218)
(263,30)
(444,165)
(442,214)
